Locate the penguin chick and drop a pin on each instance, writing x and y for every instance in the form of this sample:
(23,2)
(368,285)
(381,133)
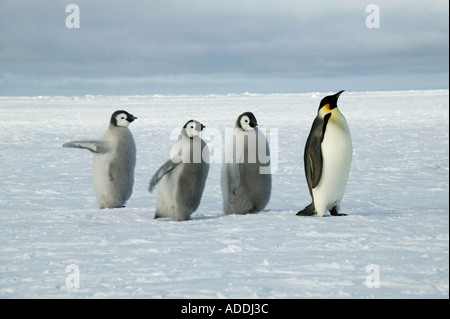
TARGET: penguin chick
(327,159)
(246,181)
(183,176)
(114,161)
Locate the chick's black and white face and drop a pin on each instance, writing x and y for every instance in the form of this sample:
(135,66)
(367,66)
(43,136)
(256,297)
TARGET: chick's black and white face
(122,118)
(193,128)
(247,121)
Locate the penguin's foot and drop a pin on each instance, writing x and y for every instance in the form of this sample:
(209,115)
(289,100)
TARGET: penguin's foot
(334,212)
(304,212)
(158,215)
(307,211)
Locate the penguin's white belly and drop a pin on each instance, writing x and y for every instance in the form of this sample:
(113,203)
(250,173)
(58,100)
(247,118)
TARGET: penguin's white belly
(166,196)
(336,157)
(246,181)
(180,191)
(113,183)
(102,183)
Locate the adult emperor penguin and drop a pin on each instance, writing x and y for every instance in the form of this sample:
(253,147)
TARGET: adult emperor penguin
(114,161)
(246,180)
(327,159)
(182,177)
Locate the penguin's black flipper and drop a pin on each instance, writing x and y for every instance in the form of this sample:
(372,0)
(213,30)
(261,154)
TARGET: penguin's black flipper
(93,146)
(163,170)
(307,211)
(313,153)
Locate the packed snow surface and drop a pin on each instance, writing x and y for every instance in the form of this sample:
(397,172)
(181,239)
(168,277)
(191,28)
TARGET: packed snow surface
(56,243)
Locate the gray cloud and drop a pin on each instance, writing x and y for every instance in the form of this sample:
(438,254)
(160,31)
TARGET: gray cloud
(148,41)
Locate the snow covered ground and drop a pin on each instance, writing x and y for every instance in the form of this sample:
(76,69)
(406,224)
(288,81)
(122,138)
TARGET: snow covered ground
(56,243)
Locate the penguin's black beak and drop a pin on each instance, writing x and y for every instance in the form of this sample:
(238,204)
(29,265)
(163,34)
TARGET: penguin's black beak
(338,94)
(131,118)
(202,127)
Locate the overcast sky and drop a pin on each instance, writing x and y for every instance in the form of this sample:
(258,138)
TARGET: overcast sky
(226,46)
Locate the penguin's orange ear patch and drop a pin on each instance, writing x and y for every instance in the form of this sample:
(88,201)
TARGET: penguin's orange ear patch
(326,107)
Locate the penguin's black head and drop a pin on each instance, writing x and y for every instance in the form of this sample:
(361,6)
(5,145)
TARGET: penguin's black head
(193,128)
(122,118)
(330,101)
(246,121)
